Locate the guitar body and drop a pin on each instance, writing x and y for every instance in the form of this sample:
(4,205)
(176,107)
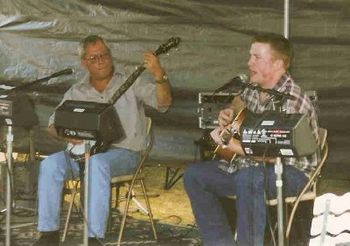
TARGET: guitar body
(224,153)
(232,131)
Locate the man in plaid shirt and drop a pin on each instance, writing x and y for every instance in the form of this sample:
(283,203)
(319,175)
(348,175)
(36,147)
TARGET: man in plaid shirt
(207,181)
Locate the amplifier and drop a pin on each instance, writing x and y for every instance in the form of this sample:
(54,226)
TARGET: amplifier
(89,121)
(275,134)
(209,106)
(17,110)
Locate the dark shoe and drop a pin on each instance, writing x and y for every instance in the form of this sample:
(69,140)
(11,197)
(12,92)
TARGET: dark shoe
(48,238)
(95,241)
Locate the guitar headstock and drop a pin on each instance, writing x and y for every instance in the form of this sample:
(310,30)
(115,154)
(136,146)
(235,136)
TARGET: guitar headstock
(164,48)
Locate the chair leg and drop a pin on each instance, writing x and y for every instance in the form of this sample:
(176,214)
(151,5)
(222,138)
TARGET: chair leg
(69,213)
(150,215)
(114,205)
(125,213)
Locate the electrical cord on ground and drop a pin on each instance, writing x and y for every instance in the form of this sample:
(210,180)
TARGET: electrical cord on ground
(178,236)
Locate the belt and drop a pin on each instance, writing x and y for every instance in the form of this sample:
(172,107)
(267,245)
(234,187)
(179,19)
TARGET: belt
(235,165)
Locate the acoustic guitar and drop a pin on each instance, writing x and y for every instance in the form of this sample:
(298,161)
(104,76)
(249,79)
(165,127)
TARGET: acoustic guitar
(231,131)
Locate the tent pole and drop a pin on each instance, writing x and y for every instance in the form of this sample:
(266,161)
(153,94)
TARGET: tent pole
(286,18)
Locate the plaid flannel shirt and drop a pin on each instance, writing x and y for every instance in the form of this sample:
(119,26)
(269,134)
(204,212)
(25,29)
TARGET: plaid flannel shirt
(302,104)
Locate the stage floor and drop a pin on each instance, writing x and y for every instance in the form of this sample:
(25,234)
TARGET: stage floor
(171,209)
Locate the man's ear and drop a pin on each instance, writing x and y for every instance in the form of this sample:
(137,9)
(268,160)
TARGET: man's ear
(278,64)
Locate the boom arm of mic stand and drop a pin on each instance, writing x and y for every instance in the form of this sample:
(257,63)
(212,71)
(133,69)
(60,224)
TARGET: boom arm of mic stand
(277,94)
(37,81)
(29,84)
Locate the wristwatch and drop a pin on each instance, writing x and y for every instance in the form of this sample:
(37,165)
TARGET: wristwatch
(163,79)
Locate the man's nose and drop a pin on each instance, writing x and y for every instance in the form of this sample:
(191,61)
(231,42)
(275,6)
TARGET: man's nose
(100,59)
(250,61)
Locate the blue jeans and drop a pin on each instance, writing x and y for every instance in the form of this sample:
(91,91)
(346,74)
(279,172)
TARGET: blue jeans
(205,183)
(58,167)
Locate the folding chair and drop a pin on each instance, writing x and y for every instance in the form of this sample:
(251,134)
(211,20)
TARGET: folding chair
(131,180)
(309,191)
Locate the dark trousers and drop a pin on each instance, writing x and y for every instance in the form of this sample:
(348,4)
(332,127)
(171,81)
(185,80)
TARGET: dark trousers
(205,183)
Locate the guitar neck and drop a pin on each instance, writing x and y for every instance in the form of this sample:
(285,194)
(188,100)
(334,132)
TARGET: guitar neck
(172,42)
(126,85)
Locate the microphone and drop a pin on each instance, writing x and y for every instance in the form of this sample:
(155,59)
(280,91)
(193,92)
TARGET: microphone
(235,84)
(66,71)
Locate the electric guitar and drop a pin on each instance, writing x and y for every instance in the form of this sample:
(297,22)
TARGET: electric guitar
(223,138)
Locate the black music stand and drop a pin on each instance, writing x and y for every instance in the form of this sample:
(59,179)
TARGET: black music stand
(17,110)
(18,113)
(10,203)
(89,121)
(275,134)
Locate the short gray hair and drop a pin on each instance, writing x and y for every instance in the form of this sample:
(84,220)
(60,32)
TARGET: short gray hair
(91,39)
